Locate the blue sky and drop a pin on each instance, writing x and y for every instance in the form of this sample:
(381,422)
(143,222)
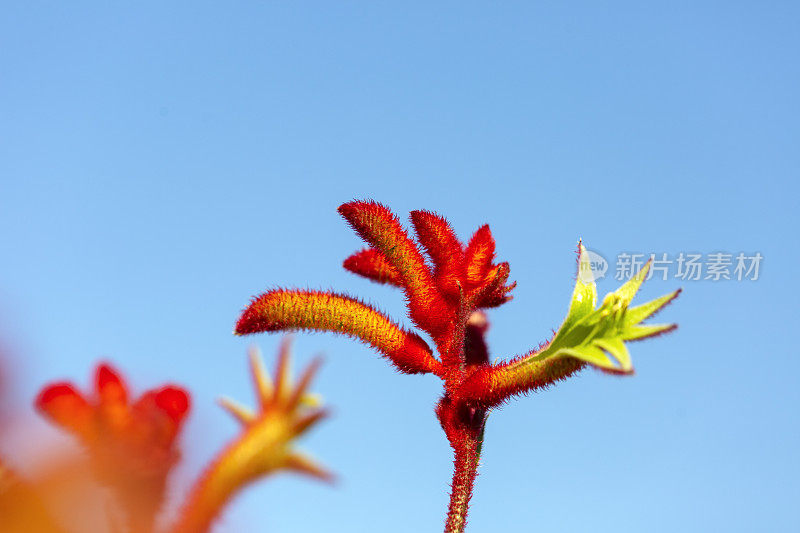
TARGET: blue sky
(160,164)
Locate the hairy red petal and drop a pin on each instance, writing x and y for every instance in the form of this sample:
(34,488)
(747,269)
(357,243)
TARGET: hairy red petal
(443,247)
(494,291)
(479,256)
(280,310)
(438,238)
(381,229)
(373,265)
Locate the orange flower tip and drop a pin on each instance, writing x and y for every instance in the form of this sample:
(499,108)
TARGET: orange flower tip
(58,394)
(305,380)
(255,319)
(304,423)
(302,464)
(241,413)
(109,384)
(360,214)
(174,401)
(107,375)
(249,323)
(348,210)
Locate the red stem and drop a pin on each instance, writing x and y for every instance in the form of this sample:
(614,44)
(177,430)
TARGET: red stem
(467,455)
(464,427)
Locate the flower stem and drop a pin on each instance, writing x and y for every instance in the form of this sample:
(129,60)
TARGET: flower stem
(467,451)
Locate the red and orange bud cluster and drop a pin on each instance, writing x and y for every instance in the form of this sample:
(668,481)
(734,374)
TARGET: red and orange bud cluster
(139,434)
(440,296)
(446,295)
(131,446)
(131,443)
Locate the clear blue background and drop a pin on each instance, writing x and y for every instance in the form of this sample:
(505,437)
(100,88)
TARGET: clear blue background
(160,163)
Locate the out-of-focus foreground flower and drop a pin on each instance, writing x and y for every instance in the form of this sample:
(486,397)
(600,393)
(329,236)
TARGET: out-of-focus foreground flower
(132,444)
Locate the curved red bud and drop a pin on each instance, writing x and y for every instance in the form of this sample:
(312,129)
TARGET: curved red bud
(479,256)
(66,407)
(373,265)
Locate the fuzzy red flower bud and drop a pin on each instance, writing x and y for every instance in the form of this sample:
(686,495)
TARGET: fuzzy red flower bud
(290,310)
(373,265)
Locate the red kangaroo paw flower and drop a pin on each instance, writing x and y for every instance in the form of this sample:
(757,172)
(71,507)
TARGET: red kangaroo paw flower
(289,310)
(373,265)
(108,420)
(447,303)
(131,445)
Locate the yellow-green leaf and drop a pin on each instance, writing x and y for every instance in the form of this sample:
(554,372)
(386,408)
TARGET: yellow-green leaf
(592,335)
